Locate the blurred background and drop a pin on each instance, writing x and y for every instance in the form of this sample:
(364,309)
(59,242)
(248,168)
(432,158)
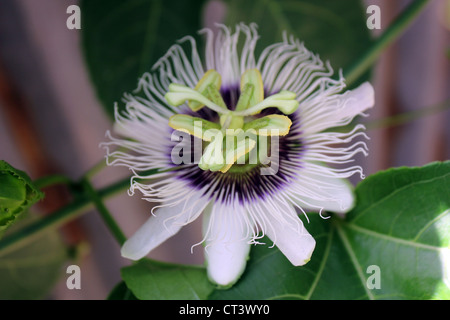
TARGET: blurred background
(51,121)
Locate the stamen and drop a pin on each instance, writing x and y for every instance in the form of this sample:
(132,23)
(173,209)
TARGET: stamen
(272,125)
(284,101)
(211,77)
(195,126)
(252,89)
(244,99)
(178,94)
(220,155)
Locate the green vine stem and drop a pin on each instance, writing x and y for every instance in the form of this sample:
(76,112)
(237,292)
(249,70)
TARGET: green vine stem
(104,212)
(79,206)
(95,169)
(406,117)
(51,180)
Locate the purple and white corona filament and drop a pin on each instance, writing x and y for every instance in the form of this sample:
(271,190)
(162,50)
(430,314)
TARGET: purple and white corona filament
(193,109)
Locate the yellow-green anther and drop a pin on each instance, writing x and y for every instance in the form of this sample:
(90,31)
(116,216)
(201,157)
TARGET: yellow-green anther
(284,101)
(272,125)
(211,77)
(193,125)
(252,89)
(245,97)
(257,124)
(214,95)
(178,94)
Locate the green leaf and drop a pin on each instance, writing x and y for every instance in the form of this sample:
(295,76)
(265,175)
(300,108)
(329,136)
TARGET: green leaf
(31,270)
(153,280)
(121,292)
(328,275)
(269,275)
(334,29)
(401,224)
(17,193)
(123,39)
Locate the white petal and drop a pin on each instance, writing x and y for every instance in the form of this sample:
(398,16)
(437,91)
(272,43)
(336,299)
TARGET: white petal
(320,114)
(166,222)
(325,192)
(357,101)
(294,241)
(227,244)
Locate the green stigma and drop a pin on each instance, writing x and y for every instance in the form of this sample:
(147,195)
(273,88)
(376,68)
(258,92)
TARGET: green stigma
(238,132)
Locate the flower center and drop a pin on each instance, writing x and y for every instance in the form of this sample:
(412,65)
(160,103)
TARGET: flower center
(240,137)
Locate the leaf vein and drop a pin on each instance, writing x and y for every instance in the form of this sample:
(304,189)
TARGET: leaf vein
(354,261)
(394,194)
(391,238)
(322,265)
